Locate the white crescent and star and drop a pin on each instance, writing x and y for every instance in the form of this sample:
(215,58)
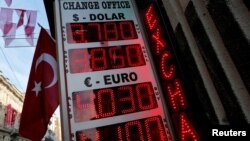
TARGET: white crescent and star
(52,62)
(37,87)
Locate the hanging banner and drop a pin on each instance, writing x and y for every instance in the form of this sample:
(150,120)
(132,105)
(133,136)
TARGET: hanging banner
(8,2)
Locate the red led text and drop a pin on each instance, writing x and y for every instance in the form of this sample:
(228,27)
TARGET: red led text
(104,58)
(113,101)
(100,31)
(167,68)
(149,129)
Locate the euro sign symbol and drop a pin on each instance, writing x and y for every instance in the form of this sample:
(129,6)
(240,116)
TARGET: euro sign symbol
(87,82)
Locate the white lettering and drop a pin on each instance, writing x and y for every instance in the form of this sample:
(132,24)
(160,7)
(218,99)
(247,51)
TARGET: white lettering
(214,132)
(244,133)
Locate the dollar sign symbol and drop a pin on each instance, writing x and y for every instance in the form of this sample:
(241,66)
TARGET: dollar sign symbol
(75,17)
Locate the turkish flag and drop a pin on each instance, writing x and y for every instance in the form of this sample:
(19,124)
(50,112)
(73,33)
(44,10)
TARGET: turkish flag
(42,95)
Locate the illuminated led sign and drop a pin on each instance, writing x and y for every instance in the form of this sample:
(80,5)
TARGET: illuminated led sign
(170,80)
(100,31)
(105,58)
(108,84)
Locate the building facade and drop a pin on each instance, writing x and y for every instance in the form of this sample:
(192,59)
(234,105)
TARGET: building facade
(11,102)
(54,130)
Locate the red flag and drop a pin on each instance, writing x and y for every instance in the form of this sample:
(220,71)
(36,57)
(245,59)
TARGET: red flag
(7,26)
(8,2)
(31,23)
(10,35)
(6,20)
(30,27)
(21,17)
(42,98)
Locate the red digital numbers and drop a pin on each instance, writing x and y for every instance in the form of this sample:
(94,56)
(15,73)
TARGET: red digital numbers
(133,59)
(144,93)
(133,131)
(76,33)
(149,129)
(92,36)
(110,31)
(97,59)
(117,57)
(79,60)
(126,32)
(100,31)
(108,102)
(126,99)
